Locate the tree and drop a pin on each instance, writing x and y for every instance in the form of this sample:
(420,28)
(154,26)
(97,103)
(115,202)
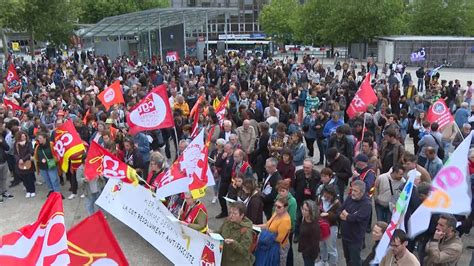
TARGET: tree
(441,17)
(44,20)
(343,21)
(277,18)
(92,11)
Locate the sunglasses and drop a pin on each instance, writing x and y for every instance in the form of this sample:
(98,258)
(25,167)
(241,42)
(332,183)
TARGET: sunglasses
(279,206)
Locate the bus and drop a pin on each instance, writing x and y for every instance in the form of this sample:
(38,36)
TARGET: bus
(247,47)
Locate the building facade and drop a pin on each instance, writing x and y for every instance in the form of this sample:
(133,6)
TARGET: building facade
(245,23)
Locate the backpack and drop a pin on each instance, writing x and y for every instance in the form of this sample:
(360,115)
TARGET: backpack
(440,148)
(324,229)
(253,245)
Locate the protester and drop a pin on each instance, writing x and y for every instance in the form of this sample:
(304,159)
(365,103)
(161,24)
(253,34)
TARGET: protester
(433,162)
(377,232)
(283,187)
(446,246)
(280,225)
(309,232)
(45,163)
(341,166)
(269,188)
(304,187)
(329,206)
(91,188)
(237,233)
(398,254)
(193,214)
(354,215)
(253,201)
(4,171)
(386,186)
(24,164)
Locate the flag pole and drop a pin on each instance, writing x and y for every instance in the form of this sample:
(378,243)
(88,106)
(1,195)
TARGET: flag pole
(362,137)
(176,142)
(459,130)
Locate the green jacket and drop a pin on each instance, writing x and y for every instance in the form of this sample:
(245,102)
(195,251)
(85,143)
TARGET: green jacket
(237,253)
(291,209)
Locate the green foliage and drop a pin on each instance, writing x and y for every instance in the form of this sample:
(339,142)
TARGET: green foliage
(442,17)
(45,20)
(278,17)
(339,22)
(92,11)
(344,21)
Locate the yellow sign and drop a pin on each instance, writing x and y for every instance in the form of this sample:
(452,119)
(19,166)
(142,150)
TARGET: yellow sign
(16,46)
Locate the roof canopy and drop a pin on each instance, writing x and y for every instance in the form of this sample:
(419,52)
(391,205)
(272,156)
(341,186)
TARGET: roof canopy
(152,19)
(425,38)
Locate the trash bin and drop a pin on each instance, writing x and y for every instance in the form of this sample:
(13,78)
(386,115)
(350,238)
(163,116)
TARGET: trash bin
(328,54)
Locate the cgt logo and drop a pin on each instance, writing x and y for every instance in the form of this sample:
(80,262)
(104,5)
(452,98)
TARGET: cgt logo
(207,257)
(147,106)
(109,95)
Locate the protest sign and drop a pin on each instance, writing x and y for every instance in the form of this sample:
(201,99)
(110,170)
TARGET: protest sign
(137,208)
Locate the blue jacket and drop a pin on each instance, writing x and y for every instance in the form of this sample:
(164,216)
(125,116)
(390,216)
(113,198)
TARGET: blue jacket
(353,228)
(331,127)
(461,116)
(310,124)
(268,249)
(143,146)
(299,152)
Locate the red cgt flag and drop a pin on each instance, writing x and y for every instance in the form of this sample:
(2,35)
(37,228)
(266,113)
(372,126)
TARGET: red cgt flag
(100,161)
(364,96)
(152,112)
(220,111)
(439,113)
(68,145)
(12,105)
(92,242)
(12,79)
(111,95)
(40,243)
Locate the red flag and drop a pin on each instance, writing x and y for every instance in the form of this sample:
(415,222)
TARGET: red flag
(195,124)
(40,243)
(200,179)
(220,111)
(364,96)
(12,79)
(67,145)
(111,95)
(100,161)
(439,113)
(84,119)
(196,105)
(152,112)
(12,105)
(186,173)
(92,242)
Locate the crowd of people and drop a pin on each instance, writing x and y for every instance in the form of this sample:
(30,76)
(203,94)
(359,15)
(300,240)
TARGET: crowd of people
(285,120)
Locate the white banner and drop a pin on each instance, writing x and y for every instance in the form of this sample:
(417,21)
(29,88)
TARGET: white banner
(397,217)
(450,190)
(146,215)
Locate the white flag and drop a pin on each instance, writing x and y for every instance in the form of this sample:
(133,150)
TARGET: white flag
(397,217)
(449,191)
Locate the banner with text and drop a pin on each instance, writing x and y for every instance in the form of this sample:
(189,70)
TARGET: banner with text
(146,215)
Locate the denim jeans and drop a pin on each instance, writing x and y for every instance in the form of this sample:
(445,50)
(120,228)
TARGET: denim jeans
(352,252)
(51,178)
(308,261)
(420,84)
(328,247)
(383,213)
(90,203)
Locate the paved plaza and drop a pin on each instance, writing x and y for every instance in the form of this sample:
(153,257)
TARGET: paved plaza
(21,211)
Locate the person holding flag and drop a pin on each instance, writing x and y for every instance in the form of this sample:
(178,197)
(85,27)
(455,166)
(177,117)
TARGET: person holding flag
(194,214)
